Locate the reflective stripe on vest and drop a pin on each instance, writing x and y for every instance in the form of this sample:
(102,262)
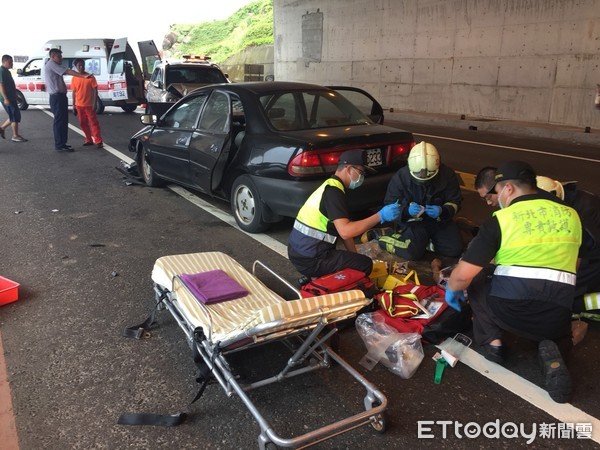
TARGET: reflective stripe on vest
(539,233)
(537,273)
(311,232)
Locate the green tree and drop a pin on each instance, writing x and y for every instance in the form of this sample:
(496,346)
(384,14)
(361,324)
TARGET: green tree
(249,26)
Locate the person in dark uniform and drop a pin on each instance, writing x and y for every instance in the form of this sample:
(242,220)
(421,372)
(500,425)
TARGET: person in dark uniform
(587,290)
(484,185)
(534,240)
(324,217)
(429,196)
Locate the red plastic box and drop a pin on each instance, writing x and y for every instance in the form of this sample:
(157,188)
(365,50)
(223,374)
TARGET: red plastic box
(9,291)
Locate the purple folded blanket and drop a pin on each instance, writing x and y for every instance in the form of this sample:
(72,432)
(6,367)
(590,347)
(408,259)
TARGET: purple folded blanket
(213,287)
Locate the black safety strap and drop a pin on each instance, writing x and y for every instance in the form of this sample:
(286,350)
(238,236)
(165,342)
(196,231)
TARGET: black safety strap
(205,377)
(152,419)
(141,331)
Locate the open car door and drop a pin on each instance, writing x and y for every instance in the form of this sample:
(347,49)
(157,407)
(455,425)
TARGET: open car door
(364,101)
(150,57)
(125,81)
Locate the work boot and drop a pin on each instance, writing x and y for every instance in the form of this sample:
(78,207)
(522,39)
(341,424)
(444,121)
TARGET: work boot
(557,379)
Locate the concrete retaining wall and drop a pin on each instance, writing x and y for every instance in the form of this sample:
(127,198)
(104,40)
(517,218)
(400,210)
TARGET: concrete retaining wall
(261,55)
(527,60)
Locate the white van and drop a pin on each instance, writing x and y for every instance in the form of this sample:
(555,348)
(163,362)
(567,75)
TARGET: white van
(120,78)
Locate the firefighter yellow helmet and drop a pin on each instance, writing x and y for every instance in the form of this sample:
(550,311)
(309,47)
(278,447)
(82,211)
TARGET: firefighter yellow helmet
(424,161)
(550,185)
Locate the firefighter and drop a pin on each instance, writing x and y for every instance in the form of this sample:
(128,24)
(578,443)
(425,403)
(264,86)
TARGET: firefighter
(587,205)
(429,196)
(535,240)
(324,217)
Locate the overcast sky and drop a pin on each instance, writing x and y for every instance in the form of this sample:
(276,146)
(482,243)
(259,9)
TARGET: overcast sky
(24,33)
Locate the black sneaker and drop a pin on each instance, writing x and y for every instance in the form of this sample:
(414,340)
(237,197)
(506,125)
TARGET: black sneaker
(557,378)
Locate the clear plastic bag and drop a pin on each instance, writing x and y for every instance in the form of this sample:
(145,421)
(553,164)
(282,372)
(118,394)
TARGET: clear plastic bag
(401,353)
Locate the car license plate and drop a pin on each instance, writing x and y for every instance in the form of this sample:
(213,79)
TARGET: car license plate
(374,157)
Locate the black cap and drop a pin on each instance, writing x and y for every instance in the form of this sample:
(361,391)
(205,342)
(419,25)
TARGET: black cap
(514,170)
(355,158)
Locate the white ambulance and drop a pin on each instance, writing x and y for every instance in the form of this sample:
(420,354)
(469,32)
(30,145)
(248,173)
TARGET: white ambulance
(120,77)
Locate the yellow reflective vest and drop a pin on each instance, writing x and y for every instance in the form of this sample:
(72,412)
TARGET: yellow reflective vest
(539,233)
(310,226)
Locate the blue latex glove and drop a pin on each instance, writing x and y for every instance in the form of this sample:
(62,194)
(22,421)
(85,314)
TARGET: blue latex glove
(433,211)
(414,209)
(389,212)
(453,298)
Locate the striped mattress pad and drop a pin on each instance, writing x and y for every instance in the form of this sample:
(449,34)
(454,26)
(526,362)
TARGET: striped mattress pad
(239,318)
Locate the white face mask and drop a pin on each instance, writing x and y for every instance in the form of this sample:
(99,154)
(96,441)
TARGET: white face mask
(356,183)
(499,194)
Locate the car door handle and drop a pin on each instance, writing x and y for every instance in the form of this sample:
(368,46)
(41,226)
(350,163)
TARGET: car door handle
(214,148)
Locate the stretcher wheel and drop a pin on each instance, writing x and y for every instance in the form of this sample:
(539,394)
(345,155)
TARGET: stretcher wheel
(380,423)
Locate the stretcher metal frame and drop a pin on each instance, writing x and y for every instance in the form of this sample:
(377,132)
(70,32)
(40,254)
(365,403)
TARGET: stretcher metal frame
(314,353)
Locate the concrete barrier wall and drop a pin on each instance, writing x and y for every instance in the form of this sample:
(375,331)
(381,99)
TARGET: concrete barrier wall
(526,60)
(261,54)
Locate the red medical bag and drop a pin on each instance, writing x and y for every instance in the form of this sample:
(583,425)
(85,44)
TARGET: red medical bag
(344,280)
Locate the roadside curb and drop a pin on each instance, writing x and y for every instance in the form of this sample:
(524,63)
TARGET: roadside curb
(572,135)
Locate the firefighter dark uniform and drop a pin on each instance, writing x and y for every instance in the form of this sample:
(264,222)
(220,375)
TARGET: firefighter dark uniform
(416,232)
(587,206)
(312,242)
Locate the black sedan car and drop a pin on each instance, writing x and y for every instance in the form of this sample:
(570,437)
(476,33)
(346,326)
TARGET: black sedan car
(266,146)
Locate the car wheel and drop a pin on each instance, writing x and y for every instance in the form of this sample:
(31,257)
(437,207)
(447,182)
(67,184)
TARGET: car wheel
(246,206)
(129,108)
(99,106)
(150,177)
(21,102)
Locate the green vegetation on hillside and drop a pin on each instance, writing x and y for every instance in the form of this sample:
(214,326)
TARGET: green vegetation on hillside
(251,25)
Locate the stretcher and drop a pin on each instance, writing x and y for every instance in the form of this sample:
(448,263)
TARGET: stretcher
(215,331)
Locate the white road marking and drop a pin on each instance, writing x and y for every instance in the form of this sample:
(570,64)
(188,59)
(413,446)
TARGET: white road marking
(520,149)
(267,241)
(528,391)
(512,382)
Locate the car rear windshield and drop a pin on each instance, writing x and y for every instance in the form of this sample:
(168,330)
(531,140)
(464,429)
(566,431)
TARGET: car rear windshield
(195,75)
(304,110)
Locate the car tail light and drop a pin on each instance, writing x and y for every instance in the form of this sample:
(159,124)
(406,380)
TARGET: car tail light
(399,151)
(313,162)
(321,162)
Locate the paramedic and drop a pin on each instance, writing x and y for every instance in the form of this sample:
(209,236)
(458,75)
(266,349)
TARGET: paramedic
(324,217)
(535,239)
(484,185)
(429,196)
(587,205)
(57,90)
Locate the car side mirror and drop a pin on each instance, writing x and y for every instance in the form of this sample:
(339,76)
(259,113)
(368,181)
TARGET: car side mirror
(148,119)
(276,113)
(377,118)
(19,71)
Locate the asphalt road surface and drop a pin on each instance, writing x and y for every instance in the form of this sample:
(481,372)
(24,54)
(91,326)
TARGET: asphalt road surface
(82,243)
